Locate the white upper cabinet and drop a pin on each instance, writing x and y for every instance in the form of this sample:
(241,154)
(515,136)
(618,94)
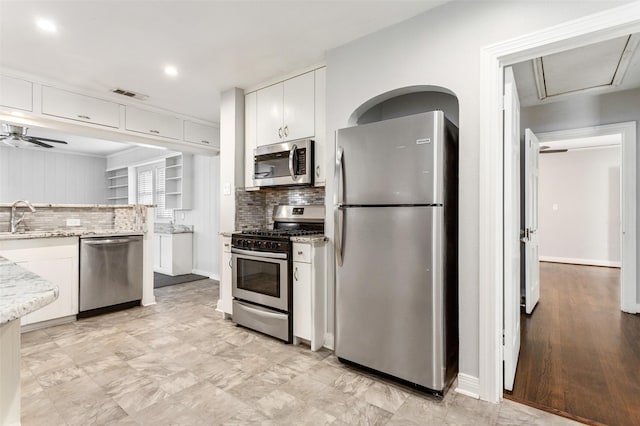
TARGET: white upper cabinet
(16,93)
(61,103)
(285,111)
(201,134)
(269,115)
(152,123)
(320,157)
(250,137)
(299,107)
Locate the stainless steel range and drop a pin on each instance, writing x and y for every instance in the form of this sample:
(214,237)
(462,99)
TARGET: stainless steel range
(261,259)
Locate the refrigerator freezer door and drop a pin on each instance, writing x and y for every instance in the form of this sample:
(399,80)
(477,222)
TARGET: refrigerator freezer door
(396,161)
(389,295)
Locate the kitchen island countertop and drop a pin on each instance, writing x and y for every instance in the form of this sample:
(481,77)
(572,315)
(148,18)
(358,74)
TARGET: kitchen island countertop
(22,291)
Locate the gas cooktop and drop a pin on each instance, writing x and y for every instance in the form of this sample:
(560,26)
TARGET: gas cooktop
(280,232)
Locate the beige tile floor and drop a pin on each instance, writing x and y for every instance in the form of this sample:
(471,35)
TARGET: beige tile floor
(179,363)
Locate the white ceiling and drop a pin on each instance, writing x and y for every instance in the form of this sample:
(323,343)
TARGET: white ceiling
(215,45)
(570,71)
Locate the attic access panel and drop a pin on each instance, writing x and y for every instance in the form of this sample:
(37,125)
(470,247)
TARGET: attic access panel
(596,65)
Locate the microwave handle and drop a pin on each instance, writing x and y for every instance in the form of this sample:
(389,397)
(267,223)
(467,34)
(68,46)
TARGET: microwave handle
(292,158)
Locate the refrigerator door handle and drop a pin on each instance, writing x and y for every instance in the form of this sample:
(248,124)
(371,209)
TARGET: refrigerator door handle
(292,158)
(339,211)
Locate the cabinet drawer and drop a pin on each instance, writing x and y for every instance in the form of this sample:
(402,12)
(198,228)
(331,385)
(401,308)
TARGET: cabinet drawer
(152,123)
(61,103)
(16,93)
(201,134)
(301,252)
(226,244)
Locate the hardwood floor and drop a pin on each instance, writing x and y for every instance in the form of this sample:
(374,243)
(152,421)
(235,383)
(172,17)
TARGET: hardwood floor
(579,353)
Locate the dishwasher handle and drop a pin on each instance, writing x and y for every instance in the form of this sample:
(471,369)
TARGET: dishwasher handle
(108,241)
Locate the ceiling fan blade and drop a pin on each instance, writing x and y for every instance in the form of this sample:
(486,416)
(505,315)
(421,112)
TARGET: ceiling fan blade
(42,144)
(553,151)
(32,138)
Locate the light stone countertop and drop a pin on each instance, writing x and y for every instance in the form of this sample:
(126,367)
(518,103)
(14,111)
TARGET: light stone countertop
(22,291)
(309,239)
(167,228)
(67,233)
(77,206)
(228,233)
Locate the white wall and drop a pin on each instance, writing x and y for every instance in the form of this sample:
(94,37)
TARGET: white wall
(204,216)
(440,48)
(50,176)
(587,111)
(584,187)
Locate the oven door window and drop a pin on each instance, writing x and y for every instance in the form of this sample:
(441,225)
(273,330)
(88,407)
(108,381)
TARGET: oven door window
(259,277)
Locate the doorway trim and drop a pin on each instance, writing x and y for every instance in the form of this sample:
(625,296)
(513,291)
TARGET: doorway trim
(627,131)
(616,22)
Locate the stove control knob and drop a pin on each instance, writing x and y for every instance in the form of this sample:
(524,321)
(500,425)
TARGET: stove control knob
(268,244)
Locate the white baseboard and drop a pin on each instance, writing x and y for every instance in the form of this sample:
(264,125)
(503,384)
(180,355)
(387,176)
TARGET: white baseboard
(589,262)
(468,385)
(207,274)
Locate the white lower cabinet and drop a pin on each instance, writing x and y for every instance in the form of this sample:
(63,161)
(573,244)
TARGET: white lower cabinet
(309,301)
(55,260)
(225,303)
(173,253)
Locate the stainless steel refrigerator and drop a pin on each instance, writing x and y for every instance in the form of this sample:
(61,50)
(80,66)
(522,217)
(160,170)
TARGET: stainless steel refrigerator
(396,232)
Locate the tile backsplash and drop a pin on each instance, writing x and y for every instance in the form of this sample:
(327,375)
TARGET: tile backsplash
(90,217)
(254,209)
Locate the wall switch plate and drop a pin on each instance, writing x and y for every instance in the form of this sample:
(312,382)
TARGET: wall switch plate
(226,188)
(554,207)
(73,222)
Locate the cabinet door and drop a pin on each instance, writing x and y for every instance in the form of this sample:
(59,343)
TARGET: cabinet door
(250,137)
(299,107)
(320,128)
(201,134)
(166,252)
(225,302)
(16,93)
(58,272)
(152,123)
(302,300)
(61,103)
(156,251)
(269,115)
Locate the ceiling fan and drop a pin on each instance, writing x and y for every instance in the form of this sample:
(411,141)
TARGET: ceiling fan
(16,136)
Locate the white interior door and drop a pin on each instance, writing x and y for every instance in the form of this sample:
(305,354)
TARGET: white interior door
(532,259)
(511,229)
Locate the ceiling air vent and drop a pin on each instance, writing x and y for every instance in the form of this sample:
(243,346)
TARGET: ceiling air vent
(589,67)
(130,94)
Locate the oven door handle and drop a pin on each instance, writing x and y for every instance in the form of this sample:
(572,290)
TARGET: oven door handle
(259,253)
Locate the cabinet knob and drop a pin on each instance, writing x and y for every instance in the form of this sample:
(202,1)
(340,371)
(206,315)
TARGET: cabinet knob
(154,131)
(207,142)
(318,171)
(84,117)
(280,132)
(300,253)
(286,130)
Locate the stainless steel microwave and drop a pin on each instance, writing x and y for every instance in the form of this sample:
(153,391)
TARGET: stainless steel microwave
(286,163)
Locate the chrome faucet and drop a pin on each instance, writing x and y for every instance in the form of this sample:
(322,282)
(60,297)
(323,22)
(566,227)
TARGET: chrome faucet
(14,221)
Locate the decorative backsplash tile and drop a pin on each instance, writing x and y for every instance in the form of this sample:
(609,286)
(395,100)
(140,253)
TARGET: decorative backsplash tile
(254,209)
(92,218)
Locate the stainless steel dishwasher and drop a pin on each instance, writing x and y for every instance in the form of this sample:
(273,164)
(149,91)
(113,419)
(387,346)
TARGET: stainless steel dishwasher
(110,273)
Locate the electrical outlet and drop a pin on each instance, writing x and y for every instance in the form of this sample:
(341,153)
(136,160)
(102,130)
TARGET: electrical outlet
(73,222)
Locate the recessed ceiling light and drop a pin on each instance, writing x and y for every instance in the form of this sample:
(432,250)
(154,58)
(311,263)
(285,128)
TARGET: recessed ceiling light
(171,70)
(46,25)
